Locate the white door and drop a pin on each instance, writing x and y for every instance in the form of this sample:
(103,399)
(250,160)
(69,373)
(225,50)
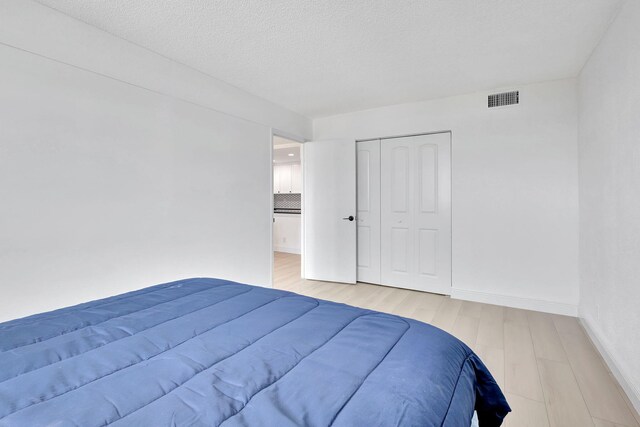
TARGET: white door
(368,217)
(416,212)
(330,207)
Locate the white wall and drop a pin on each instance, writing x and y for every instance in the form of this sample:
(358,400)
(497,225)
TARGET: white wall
(126,175)
(30,26)
(515,189)
(609,146)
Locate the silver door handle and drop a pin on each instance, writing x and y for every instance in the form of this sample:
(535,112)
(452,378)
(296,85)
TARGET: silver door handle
(349,218)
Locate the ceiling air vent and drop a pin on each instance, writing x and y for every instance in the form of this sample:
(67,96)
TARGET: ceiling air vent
(502,99)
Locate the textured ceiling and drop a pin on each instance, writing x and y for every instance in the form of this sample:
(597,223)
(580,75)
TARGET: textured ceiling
(323,57)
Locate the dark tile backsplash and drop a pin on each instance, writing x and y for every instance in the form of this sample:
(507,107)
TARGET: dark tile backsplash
(287,201)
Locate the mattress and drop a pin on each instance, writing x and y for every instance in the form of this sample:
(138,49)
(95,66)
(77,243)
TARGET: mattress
(209,352)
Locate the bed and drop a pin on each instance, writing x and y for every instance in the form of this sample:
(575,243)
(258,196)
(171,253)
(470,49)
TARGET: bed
(208,352)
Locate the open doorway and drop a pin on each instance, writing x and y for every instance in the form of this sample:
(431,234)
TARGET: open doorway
(287,210)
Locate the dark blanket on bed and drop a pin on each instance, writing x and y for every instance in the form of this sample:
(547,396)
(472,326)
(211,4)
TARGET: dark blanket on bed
(207,352)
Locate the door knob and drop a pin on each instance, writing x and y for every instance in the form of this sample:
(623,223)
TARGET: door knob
(349,218)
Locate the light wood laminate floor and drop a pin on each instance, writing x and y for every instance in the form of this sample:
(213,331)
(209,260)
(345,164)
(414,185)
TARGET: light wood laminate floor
(549,370)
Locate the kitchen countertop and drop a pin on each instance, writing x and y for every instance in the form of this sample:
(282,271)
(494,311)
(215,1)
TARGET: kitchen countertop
(287,212)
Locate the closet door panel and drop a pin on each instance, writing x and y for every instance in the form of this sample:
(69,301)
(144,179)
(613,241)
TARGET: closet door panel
(397,238)
(399,172)
(427,251)
(364,250)
(428,177)
(433,217)
(400,250)
(368,210)
(416,212)
(427,228)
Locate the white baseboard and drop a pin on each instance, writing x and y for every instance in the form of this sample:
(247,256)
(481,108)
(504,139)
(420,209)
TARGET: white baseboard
(287,249)
(516,302)
(632,392)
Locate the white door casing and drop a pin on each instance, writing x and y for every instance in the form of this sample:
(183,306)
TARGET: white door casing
(416,212)
(330,196)
(368,204)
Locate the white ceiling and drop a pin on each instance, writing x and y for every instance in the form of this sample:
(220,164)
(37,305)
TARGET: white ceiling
(285,150)
(323,57)
(286,153)
(280,142)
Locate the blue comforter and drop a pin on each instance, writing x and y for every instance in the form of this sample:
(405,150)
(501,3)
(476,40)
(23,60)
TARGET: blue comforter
(206,352)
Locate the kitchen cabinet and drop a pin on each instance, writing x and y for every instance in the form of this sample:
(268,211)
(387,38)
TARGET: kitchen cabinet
(276,179)
(287,235)
(287,178)
(296,178)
